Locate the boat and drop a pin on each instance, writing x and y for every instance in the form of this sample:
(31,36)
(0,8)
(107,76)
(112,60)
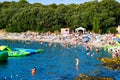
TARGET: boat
(3,56)
(32,51)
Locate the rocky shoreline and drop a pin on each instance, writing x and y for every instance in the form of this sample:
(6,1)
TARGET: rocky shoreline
(87,77)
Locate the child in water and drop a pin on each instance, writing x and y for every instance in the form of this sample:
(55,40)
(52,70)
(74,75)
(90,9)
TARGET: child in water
(33,71)
(88,51)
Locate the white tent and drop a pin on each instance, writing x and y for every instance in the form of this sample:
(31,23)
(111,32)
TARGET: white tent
(118,29)
(80,28)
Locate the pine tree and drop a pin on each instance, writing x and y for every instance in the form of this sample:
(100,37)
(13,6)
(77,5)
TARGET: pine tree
(96,25)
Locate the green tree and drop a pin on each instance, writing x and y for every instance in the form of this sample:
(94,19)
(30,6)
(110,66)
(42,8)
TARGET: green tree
(107,18)
(96,25)
(22,16)
(6,15)
(111,30)
(25,1)
(1,26)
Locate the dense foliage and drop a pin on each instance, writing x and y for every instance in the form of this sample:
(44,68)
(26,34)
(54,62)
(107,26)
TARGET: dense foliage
(94,16)
(111,30)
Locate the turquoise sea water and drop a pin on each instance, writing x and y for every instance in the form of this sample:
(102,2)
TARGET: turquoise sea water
(56,63)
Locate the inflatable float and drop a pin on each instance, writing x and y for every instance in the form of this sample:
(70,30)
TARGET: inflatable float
(18,52)
(3,56)
(32,51)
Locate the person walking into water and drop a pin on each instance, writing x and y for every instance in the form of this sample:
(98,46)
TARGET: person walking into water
(77,62)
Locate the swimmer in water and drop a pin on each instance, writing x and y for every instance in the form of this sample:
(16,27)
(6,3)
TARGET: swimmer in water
(88,51)
(93,55)
(97,50)
(33,71)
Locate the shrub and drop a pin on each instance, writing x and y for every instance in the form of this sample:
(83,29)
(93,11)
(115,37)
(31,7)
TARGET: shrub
(111,30)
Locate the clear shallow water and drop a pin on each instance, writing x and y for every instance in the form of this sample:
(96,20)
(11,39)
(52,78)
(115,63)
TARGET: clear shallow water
(56,63)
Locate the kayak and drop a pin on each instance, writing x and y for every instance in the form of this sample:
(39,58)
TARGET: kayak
(3,56)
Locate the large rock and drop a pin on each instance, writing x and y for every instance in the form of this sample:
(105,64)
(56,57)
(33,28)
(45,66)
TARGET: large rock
(111,63)
(87,77)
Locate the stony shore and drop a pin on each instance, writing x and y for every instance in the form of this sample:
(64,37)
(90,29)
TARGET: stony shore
(19,36)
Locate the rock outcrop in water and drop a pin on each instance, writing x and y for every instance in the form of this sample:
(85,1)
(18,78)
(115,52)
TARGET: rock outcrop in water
(87,77)
(111,63)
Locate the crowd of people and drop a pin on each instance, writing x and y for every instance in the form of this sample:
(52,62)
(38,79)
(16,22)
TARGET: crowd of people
(69,38)
(90,39)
